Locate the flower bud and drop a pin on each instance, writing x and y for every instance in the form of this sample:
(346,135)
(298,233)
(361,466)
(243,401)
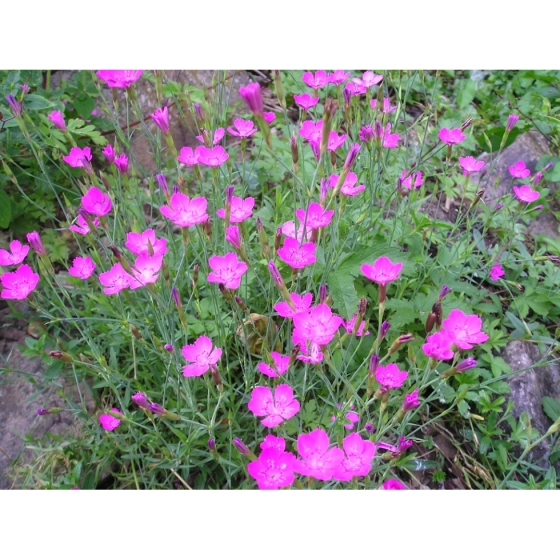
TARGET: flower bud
(362,306)
(241,304)
(276,276)
(157,409)
(162,181)
(512,119)
(373,363)
(445,290)
(385,326)
(466,364)
(51,410)
(233,237)
(278,239)
(169,348)
(57,118)
(34,240)
(351,157)
(324,191)
(64,356)
(15,106)
(403,339)
(411,401)
(211,444)
(369,428)
(195,276)
(140,400)
(241,447)
(329,110)
(176,298)
(279,89)
(466,124)
(135,332)
(323,293)
(430,322)
(294,148)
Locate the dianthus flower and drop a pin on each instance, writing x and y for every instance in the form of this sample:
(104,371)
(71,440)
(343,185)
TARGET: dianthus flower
(226,270)
(16,256)
(393,484)
(275,408)
(351,416)
(281,364)
(388,140)
(119,78)
(451,137)
(241,209)
(525,194)
(349,326)
(390,377)
(438,346)
(470,165)
(335,141)
(83,228)
(317,216)
(317,80)
(19,283)
(496,272)
(407,176)
(161,118)
(397,451)
(121,163)
(301,303)
(369,79)
(252,96)
(233,237)
(311,352)
(96,202)
(354,89)
(410,401)
(311,131)
(387,107)
(269,116)
(109,153)
(348,188)
(318,324)
(145,244)
(243,128)
(338,77)
(218,135)
(358,459)
(109,422)
(189,157)
(77,156)
(213,157)
(464,330)
(273,469)
(382,270)
(57,118)
(145,271)
(305,101)
(317,460)
(289,230)
(34,239)
(202,356)
(273,442)
(140,400)
(116,279)
(519,170)
(82,267)
(184,212)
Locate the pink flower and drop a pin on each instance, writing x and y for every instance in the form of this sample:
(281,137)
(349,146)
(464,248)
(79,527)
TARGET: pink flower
(121,163)
(227,270)
(393,484)
(335,141)
(251,94)
(301,303)
(382,270)
(141,244)
(358,459)
(525,194)
(184,212)
(438,346)
(109,422)
(119,78)
(189,157)
(146,271)
(213,157)
(355,88)
(218,135)
(273,469)
(273,442)
(97,203)
(312,131)
(407,177)
(202,356)
(82,267)
(352,417)
(233,237)
(19,283)
(269,117)
(305,101)
(317,216)
(402,446)
(338,77)
(140,400)
(109,153)
(76,157)
(116,279)
(244,128)
(390,376)
(470,165)
(241,209)
(369,79)
(315,81)
(83,228)
(349,326)
(161,118)
(17,255)
(348,188)
(387,107)
(464,330)
(317,460)
(451,137)
(389,140)
(519,170)
(34,239)
(276,408)
(289,230)
(496,272)
(410,400)
(311,352)
(57,118)
(281,364)
(296,256)
(318,324)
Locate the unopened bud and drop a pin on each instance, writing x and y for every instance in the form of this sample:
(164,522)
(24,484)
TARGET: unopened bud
(276,276)
(430,322)
(51,410)
(211,444)
(385,326)
(445,291)
(403,339)
(241,447)
(135,332)
(330,108)
(362,306)
(466,124)
(279,89)
(373,363)
(241,304)
(64,356)
(323,293)
(278,239)
(437,311)
(225,292)
(512,120)
(169,348)
(195,276)
(162,181)
(293,146)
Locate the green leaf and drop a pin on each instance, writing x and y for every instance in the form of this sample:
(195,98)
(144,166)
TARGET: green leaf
(345,298)
(466,90)
(5,209)
(84,104)
(551,408)
(34,102)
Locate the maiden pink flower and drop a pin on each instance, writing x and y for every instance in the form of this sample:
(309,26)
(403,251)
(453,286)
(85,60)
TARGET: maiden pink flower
(519,170)
(161,118)
(358,460)
(496,272)
(96,202)
(57,118)
(82,267)
(389,140)
(393,484)
(338,77)
(450,137)
(317,325)
(121,163)
(109,422)
(140,400)
(382,270)
(526,194)
(301,304)
(202,356)
(438,346)
(109,153)
(16,256)
(213,157)
(311,352)
(241,209)
(348,188)
(119,78)
(83,228)
(366,133)
(311,131)
(226,270)
(406,179)
(470,165)
(296,256)
(464,330)
(410,401)
(77,156)
(244,129)
(349,326)
(233,237)
(140,244)
(335,141)
(289,230)
(387,107)
(397,451)
(281,364)
(305,101)
(273,469)
(145,271)
(116,279)
(218,135)
(390,377)
(317,80)
(369,79)
(276,408)
(273,442)
(252,96)
(269,117)
(184,212)
(189,157)
(354,89)
(19,283)
(317,216)
(317,460)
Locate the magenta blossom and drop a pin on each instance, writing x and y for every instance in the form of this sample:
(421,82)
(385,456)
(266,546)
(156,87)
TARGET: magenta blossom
(525,194)
(366,133)
(348,188)
(83,228)
(77,156)
(146,271)
(202,356)
(96,202)
(82,267)
(34,239)
(244,129)
(305,101)
(397,451)
(140,400)
(301,304)
(496,272)
(351,416)
(233,237)
(316,216)
(382,270)
(213,157)
(519,170)
(388,140)
(318,324)
(273,469)
(281,364)
(393,484)
(218,135)
(317,460)
(470,165)
(289,230)
(296,256)
(119,78)
(410,401)
(464,330)
(438,346)
(109,153)
(16,256)
(275,408)
(109,422)
(226,270)
(406,179)
(387,107)
(390,377)
(450,137)
(358,459)
(369,79)
(317,80)
(335,141)
(338,77)
(19,283)
(311,352)
(57,118)
(349,326)
(116,279)
(121,163)
(252,96)
(161,118)
(184,212)
(145,244)
(512,120)
(189,157)
(273,442)
(241,209)
(354,89)
(312,131)
(269,116)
